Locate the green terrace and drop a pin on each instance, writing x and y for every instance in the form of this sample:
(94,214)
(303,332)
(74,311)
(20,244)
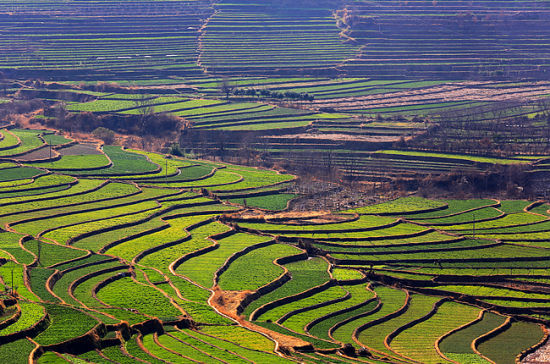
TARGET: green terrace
(138,245)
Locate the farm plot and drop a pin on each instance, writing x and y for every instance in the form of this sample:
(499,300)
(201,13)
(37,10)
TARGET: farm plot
(255,268)
(201,268)
(173,233)
(131,253)
(123,163)
(66,323)
(375,337)
(458,345)
(260,40)
(305,274)
(418,342)
(345,325)
(129,294)
(506,346)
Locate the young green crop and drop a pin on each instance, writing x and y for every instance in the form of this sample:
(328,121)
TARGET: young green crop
(466,217)
(183,342)
(305,274)
(359,295)
(278,312)
(418,342)
(29,140)
(171,343)
(521,218)
(505,347)
(66,323)
(391,299)
(9,140)
(400,206)
(82,186)
(135,350)
(273,202)
(374,336)
(41,182)
(31,313)
(256,268)
(124,163)
(51,253)
(199,239)
(63,204)
(61,287)
(126,293)
(459,344)
(9,242)
(453,207)
(361,224)
(176,231)
(201,269)
(35,227)
(16,351)
(249,339)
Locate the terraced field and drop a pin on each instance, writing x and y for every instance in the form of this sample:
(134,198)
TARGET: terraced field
(110,254)
(158,245)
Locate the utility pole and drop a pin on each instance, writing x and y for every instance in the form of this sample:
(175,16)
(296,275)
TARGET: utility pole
(474,226)
(39,251)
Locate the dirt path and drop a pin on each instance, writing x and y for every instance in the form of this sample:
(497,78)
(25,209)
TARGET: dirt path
(226,302)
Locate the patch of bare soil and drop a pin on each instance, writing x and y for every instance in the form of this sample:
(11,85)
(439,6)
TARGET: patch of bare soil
(540,356)
(39,154)
(80,149)
(226,302)
(339,137)
(327,219)
(459,91)
(288,215)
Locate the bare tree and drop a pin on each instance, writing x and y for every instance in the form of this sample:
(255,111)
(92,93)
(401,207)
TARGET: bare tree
(145,109)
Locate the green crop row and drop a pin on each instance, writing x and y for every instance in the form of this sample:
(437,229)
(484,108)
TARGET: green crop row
(305,274)
(256,268)
(66,323)
(374,336)
(453,207)
(467,217)
(273,202)
(359,294)
(83,186)
(124,163)
(41,182)
(35,227)
(61,287)
(17,351)
(51,253)
(508,220)
(506,346)
(59,205)
(492,292)
(18,175)
(176,231)
(363,223)
(95,242)
(418,342)
(390,299)
(127,293)
(31,313)
(201,269)
(278,312)
(400,206)
(9,242)
(29,140)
